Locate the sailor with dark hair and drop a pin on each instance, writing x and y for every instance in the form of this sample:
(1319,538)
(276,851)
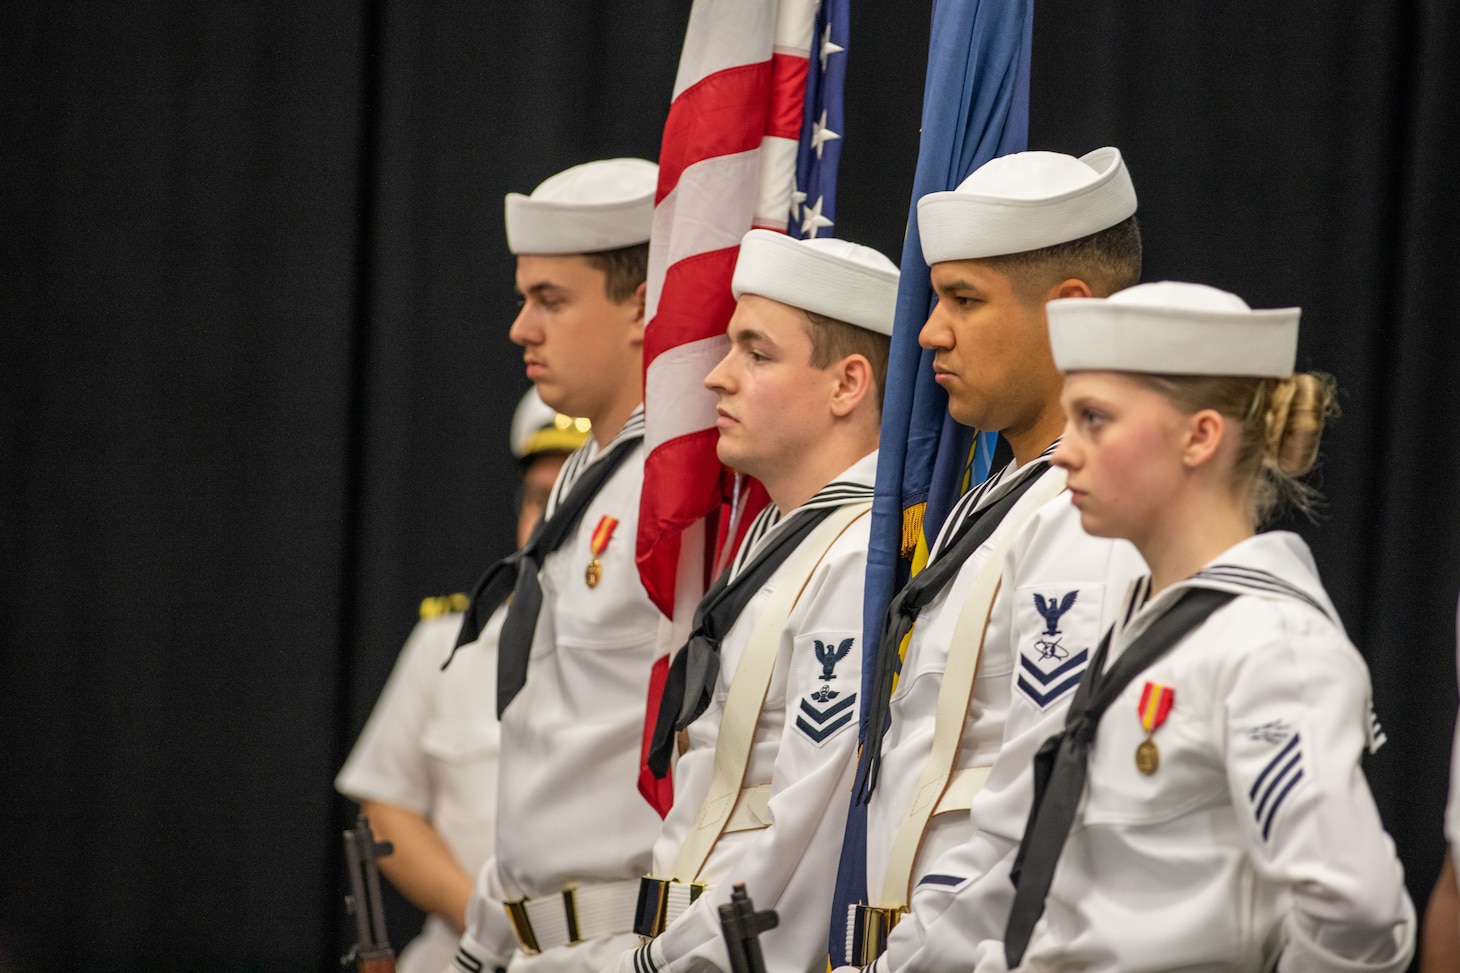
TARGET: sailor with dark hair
(425,767)
(578,640)
(986,643)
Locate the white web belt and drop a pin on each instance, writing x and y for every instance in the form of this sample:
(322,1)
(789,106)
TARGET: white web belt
(579,913)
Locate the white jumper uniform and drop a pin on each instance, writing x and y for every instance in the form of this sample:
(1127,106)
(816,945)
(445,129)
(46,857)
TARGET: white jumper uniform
(1256,833)
(1025,679)
(430,746)
(804,748)
(568,809)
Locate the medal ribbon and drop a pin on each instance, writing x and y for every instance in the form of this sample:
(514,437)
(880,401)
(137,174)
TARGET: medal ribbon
(1155,705)
(602,534)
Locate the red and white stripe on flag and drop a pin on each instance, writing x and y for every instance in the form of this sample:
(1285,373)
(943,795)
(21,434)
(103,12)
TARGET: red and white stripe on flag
(727,163)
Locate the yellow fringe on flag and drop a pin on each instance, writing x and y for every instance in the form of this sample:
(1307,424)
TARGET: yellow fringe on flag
(912,528)
(915,549)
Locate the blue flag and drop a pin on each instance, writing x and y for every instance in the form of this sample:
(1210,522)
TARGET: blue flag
(975,108)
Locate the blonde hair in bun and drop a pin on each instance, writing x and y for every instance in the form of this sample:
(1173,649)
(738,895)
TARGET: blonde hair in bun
(1281,422)
(1296,412)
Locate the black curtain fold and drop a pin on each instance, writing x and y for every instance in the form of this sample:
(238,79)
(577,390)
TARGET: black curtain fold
(255,380)
(177,274)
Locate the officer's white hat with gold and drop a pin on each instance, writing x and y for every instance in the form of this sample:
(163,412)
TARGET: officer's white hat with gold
(538,428)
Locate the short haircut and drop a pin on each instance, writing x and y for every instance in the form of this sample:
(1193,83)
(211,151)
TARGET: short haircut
(623,269)
(832,340)
(1109,260)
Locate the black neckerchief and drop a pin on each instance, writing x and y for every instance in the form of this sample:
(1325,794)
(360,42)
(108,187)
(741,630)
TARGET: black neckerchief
(1059,767)
(517,575)
(977,528)
(692,674)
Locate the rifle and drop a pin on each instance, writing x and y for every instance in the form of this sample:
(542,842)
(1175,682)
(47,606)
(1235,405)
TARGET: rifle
(742,927)
(371,952)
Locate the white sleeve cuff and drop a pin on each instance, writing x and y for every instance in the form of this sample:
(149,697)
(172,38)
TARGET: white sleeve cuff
(1378,953)
(472,957)
(641,959)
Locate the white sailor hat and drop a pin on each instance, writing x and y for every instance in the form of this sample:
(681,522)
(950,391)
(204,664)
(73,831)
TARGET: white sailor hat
(536,428)
(835,278)
(1026,201)
(595,206)
(1172,329)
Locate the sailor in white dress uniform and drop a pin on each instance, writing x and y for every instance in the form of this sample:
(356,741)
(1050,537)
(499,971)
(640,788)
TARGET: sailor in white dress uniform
(573,833)
(429,749)
(799,398)
(1060,587)
(1214,815)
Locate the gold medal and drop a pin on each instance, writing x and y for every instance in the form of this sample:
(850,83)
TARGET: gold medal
(1148,757)
(1155,706)
(602,534)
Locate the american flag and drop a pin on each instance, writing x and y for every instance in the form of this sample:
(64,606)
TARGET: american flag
(752,140)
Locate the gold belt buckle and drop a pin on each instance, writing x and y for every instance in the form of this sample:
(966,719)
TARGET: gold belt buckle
(651,914)
(871,925)
(522,922)
(522,926)
(570,912)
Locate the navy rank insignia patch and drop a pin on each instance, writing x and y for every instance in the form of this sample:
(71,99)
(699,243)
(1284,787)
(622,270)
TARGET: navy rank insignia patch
(1052,612)
(825,710)
(1279,776)
(1056,631)
(829,657)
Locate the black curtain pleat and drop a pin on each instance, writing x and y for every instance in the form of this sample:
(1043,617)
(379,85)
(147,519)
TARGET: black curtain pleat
(255,379)
(176,277)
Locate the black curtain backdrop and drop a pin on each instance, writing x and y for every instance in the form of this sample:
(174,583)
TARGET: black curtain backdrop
(255,380)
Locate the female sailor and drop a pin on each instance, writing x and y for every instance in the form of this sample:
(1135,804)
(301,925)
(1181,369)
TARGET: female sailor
(1204,808)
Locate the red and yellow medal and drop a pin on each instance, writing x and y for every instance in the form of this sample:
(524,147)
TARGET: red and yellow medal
(1155,706)
(602,534)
